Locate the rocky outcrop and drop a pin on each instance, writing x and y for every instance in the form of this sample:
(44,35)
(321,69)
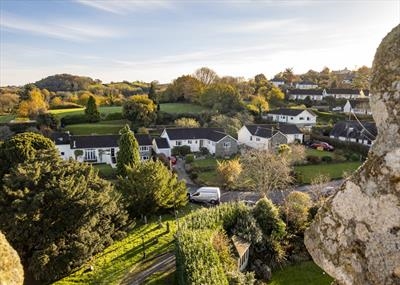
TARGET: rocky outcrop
(355,236)
(11,271)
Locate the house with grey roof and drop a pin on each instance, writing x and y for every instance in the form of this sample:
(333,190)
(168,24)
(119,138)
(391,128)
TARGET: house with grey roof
(360,107)
(319,94)
(355,131)
(306,85)
(298,117)
(215,140)
(97,148)
(161,146)
(268,136)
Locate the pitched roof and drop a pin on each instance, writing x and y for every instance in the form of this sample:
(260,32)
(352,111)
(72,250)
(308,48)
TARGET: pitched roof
(162,142)
(267,130)
(289,112)
(306,82)
(96,141)
(346,91)
(240,245)
(353,129)
(213,134)
(60,138)
(305,92)
(361,102)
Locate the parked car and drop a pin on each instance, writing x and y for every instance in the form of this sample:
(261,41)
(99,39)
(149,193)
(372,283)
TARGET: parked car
(210,195)
(322,145)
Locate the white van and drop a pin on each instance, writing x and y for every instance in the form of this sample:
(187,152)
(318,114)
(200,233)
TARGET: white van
(206,195)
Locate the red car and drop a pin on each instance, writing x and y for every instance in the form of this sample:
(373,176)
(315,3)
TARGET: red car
(322,145)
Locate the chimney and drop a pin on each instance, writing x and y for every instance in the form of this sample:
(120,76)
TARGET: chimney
(74,144)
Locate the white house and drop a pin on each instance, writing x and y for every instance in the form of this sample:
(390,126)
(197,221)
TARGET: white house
(354,131)
(161,145)
(298,117)
(347,93)
(303,93)
(359,106)
(266,136)
(306,85)
(97,148)
(214,139)
(277,82)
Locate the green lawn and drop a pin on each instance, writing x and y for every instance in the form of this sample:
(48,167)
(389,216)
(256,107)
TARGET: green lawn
(333,170)
(76,111)
(305,273)
(209,178)
(207,162)
(106,171)
(319,153)
(181,108)
(116,262)
(162,278)
(6,118)
(102,127)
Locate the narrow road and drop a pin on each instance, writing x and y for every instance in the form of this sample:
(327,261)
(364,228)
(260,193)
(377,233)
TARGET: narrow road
(161,263)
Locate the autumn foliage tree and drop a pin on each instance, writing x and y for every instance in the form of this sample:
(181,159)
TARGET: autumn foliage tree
(139,109)
(229,172)
(33,105)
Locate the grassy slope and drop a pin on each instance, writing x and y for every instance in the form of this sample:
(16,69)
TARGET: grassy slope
(102,127)
(334,170)
(6,118)
(181,108)
(305,273)
(103,110)
(116,261)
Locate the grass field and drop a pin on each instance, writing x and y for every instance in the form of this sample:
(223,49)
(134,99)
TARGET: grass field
(106,171)
(319,153)
(77,111)
(114,264)
(101,128)
(6,118)
(305,273)
(207,162)
(177,108)
(334,170)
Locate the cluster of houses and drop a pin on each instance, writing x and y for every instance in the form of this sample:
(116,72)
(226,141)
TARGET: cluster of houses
(320,94)
(284,128)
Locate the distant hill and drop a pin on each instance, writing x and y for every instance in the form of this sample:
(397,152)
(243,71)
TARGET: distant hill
(65,82)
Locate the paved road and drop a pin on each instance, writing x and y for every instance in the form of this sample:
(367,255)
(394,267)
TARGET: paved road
(161,263)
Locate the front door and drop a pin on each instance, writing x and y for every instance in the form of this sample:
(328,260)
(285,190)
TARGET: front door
(201,143)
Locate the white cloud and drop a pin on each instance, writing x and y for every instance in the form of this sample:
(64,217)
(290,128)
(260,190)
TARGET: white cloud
(125,6)
(64,30)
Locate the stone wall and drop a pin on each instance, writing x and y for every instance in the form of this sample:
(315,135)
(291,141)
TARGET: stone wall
(355,236)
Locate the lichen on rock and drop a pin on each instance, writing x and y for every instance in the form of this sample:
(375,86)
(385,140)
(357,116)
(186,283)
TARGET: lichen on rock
(355,236)
(11,271)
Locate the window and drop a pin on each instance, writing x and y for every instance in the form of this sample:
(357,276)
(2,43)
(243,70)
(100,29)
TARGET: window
(282,117)
(227,144)
(291,118)
(251,138)
(62,153)
(189,142)
(143,148)
(90,155)
(308,118)
(178,143)
(258,139)
(195,142)
(301,118)
(145,158)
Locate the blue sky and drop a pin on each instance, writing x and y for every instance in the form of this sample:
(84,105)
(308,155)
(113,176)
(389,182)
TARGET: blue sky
(161,40)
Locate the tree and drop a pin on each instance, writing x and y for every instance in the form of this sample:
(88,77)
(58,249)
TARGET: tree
(265,171)
(139,109)
(32,106)
(187,123)
(184,88)
(206,75)
(8,102)
(11,270)
(293,153)
(260,80)
(20,148)
(308,102)
(5,133)
(275,94)
(91,111)
(295,209)
(317,186)
(260,104)
(362,78)
(221,97)
(229,172)
(288,76)
(58,214)
(230,124)
(128,153)
(47,120)
(152,91)
(150,187)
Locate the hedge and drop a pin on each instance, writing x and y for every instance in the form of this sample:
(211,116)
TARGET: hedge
(350,146)
(74,119)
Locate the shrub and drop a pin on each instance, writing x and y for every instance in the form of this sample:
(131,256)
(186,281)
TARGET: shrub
(313,159)
(204,151)
(354,157)
(74,119)
(180,150)
(113,117)
(189,158)
(326,159)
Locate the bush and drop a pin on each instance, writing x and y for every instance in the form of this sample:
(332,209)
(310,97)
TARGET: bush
(204,151)
(74,119)
(326,159)
(193,175)
(180,150)
(354,157)
(313,159)
(189,158)
(113,117)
